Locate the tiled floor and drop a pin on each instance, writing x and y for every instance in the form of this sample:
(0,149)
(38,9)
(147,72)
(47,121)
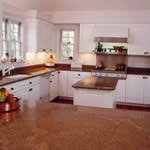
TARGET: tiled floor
(63,101)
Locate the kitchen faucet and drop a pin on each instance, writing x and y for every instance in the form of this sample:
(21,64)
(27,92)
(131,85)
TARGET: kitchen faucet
(7,70)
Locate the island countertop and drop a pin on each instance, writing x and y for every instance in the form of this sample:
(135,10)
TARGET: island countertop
(49,126)
(98,83)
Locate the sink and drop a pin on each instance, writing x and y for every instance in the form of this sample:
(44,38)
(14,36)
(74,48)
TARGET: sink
(18,76)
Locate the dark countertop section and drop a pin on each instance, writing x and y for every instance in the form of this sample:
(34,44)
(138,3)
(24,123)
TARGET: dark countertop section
(37,70)
(99,83)
(5,81)
(138,71)
(49,126)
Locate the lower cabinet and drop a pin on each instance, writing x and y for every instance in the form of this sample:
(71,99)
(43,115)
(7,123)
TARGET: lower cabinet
(120,93)
(95,98)
(146,89)
(53,85)
(137,90)
(63,83)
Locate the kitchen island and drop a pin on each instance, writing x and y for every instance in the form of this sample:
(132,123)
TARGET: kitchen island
(95,91)
(49,126)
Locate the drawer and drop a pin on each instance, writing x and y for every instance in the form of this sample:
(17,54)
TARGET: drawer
(80,74)
(53,75)
(30,82)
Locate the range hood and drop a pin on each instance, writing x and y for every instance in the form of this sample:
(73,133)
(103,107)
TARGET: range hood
(111,39)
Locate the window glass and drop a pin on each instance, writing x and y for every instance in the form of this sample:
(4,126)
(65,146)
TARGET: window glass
(67,44)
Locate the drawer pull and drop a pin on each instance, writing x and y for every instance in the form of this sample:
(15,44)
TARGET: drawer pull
(53,75)
(146,53)
(50,81)
(30,82)
(58,72)
(12,89)
(30,90)
(144,77)
(78,74)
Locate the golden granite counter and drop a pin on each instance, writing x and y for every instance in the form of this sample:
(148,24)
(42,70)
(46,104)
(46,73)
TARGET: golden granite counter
(48,126)
(99,83)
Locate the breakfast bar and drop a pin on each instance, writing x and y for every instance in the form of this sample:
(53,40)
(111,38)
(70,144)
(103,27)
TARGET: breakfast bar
(95,91)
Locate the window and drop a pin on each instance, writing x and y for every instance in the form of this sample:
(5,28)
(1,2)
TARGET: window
(4,40)
(67,44)
(12,47)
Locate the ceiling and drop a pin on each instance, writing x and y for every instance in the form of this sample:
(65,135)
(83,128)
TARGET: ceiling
(79,5)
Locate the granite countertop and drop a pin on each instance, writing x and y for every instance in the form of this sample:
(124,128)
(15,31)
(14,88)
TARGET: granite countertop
(4,80)
(138,71)
(99,83)
(49,126)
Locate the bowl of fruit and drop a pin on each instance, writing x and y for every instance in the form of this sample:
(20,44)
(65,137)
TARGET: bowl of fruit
(7,101)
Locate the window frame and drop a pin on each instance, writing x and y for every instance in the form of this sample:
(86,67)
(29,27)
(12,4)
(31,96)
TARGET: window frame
(61,38)
(9,40)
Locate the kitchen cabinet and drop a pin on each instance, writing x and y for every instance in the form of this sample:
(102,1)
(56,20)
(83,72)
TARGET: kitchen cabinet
(120,91)
(45,87)
(138,41)
(53,85)
(106,30)
(39,35)
(74,77)
(63,83)
(26,90)
(86,41)
(94,98)
(46,33)
(134,89)
(146,89)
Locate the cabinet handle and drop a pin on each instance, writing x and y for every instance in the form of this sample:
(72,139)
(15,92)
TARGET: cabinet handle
(144,77)
(53,75)
(30,82)
(50,81)
(12,89)
(30,90)
(146,53)
(58,72)
(44,50)
(50,49)
(78,74)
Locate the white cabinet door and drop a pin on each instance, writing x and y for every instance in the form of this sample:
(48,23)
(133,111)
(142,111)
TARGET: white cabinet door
(39,35)
(134,89)
(42,35)
(86,42)
(52,37)
(63,83)
(146,89)
(111,31)
(120,91)
(30,35)
(138,41)
(53,85)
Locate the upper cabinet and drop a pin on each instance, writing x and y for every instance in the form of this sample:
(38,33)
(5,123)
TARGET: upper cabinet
(46,34)
(86,42)
(139,40)
(88,32)
(118,31)
(40,34)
